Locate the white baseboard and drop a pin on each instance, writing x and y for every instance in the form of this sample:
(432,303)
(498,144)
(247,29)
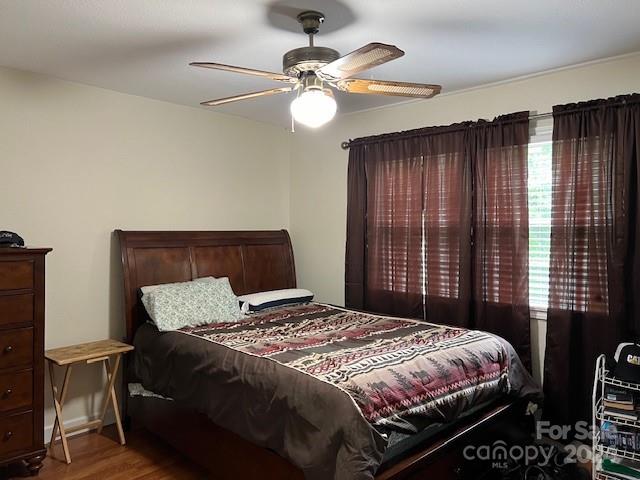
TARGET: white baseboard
(108,420)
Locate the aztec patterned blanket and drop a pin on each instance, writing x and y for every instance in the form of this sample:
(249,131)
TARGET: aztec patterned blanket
(391,367)
(377,374)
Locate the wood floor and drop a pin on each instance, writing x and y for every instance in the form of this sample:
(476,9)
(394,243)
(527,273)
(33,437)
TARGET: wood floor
(98,457)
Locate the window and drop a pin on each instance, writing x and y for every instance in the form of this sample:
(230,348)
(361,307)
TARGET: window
(414,244)
(540,190)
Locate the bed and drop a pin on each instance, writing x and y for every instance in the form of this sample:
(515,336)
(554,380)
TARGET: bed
(234,446)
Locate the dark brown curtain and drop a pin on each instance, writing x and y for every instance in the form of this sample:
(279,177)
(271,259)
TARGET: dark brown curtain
(446,202)
(412,200)
(594,267)
(394,228)
(501,230)
(354,265)
(408,225)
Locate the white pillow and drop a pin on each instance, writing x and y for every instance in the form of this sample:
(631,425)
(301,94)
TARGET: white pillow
(254,302)
(176,305)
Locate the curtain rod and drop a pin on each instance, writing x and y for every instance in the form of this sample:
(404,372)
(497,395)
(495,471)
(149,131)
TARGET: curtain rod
(347,144)
(590,105)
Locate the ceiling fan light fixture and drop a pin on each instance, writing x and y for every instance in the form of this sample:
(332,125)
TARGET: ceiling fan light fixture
(314,107)
(311,69)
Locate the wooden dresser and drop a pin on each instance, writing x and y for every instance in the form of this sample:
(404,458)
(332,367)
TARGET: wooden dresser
(22,358)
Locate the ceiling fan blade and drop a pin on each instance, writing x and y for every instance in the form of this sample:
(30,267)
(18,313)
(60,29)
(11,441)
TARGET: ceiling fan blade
(359,60)
(246,96)
(384,87)
(247,71)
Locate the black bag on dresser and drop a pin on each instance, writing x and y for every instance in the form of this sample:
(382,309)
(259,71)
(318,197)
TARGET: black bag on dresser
(10,239)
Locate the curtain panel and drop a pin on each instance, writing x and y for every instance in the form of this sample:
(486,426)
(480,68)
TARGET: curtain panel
(595,263)
(355,257)
(392,222)
(437,226)
(394,228)
(501,230)
(446,203)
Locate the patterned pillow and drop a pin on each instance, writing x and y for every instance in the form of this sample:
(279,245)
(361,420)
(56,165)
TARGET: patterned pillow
(150,288)
(176,305)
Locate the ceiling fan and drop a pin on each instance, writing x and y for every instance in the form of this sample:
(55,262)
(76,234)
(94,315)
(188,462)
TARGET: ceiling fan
(310,70)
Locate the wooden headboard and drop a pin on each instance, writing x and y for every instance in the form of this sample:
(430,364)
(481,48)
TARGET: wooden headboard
(254,261)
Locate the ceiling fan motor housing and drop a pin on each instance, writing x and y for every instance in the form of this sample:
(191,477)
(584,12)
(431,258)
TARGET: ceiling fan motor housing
(305,59)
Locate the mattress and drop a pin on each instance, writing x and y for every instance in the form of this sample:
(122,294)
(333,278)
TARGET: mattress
(328,388)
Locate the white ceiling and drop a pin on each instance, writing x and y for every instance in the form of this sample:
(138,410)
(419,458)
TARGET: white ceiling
(143,47)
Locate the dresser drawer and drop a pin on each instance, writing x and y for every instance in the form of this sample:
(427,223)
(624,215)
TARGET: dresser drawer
(16,309)
(16,432)
(16,347)
(16,390)
(16,275)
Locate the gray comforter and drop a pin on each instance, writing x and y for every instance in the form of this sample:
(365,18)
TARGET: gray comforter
(322,386)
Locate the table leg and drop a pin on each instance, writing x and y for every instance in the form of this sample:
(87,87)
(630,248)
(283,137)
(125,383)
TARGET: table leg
(58,402)
(63,396)
(110,396)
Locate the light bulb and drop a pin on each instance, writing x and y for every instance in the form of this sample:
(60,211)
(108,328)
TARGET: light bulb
(314,107)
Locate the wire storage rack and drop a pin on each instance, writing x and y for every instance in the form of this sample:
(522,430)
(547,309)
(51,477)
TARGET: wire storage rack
(601,450)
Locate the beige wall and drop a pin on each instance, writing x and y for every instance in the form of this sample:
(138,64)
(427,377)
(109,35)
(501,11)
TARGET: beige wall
(318,176)
(78,162)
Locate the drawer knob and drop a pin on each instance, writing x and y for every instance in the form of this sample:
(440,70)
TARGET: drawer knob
(8,349)
(8,435)
(7,393)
